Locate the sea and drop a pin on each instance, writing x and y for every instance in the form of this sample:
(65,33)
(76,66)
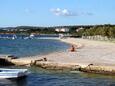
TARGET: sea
(31,47)
(41,77)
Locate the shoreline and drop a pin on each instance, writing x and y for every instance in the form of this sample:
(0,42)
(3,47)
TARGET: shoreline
(90,56)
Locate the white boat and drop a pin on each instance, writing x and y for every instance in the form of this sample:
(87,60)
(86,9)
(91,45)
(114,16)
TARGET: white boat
(14,37)
(26,38)
(32,36)
(12,73)
(61,36)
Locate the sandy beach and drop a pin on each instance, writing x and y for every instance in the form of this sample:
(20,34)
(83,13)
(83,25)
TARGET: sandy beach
(96,52)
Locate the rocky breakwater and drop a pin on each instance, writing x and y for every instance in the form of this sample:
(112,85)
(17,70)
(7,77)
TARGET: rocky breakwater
(57,66)
(5,60)
(99,69)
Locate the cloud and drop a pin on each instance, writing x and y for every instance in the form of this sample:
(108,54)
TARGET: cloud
(66,12)
(62,12)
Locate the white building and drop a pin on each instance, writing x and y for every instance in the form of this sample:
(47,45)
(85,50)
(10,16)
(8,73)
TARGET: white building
(57,30)
(62,29)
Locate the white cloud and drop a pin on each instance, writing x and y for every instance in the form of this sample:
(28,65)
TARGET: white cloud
(62,12)
(56,11)
(66,12)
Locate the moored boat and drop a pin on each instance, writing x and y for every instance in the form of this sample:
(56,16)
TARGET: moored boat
(12,73)
(14,37)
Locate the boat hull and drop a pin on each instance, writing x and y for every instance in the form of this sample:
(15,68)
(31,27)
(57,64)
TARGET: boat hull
(13,73)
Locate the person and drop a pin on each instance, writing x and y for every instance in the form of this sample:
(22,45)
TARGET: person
(72,49)
(45,59)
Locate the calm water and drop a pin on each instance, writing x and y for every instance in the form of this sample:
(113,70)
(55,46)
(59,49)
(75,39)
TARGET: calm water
(30,47)
(40,77)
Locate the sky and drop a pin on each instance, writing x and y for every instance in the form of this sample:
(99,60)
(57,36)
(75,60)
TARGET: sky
(56,12)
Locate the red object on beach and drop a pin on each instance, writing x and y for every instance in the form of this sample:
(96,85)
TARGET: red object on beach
(72,49)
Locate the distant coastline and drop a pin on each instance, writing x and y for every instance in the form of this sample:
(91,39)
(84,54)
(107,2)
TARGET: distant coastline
(95,32)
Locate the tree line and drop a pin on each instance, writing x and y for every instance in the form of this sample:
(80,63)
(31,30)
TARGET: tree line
(103,31)
(106,30)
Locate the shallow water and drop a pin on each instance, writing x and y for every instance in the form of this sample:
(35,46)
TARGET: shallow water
(31,47)
(41,77)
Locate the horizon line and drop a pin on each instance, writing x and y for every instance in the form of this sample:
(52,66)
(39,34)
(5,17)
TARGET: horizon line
(56,25)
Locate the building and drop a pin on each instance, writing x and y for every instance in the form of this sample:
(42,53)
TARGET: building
(62,29)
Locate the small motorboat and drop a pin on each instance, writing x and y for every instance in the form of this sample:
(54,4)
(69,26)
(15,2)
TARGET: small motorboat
(12,73)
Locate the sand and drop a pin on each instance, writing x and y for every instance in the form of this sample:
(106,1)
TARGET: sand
(96,52)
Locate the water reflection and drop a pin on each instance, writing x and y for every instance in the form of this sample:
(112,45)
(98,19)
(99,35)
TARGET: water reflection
(13,82)
(91,75)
